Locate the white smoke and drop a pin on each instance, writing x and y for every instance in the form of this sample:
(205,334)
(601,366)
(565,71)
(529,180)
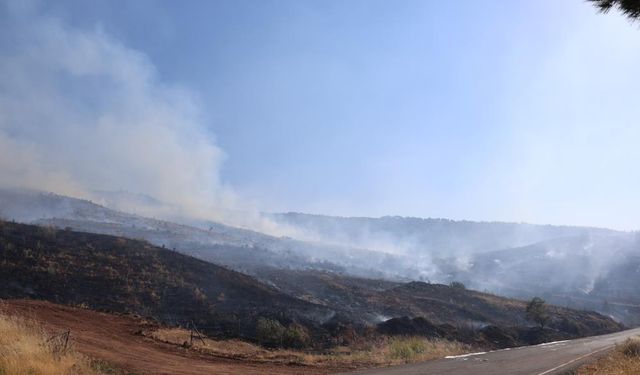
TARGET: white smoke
(80,111)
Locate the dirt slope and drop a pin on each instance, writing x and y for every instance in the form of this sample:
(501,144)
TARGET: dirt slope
(113,338)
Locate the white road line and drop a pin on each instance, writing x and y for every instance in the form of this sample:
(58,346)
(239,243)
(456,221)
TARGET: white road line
(505,349)
(574,360)
(553,343)
(465,355)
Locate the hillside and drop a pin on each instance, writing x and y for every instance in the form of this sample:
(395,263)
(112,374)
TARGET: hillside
(570,266)
(124,275)
(238,248)
(118,274)
(378,300)
(433,237)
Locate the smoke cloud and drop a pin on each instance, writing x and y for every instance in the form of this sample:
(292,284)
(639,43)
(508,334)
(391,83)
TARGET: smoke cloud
(80,111)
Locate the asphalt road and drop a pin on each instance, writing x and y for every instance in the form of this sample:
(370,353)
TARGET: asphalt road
(544,359)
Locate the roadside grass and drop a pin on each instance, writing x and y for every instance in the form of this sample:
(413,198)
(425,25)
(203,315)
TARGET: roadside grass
(625,359)
(27,349)
(379,352)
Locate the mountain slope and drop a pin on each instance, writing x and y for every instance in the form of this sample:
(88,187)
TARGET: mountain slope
(564,267)
(119,274)
(379,300)
(435,237)
(114,273)
(239,248)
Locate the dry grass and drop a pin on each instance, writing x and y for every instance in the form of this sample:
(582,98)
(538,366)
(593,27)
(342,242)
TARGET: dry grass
(27,349)
(384,351)
(625,359)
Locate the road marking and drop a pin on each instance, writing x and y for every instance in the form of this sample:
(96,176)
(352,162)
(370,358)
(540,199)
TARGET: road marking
(552,343)
(464,355)
(574,360)
(505,349)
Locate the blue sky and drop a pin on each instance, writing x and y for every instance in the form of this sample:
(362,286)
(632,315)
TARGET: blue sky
(492,110)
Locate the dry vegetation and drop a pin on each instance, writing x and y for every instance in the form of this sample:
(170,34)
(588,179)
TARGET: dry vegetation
(624,360)
(27,349)
(383,351)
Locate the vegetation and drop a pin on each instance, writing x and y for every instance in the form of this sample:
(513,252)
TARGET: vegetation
(457,285)
(271,333)
(27,349)
(117,274)
(630,8)
(380,351)
(631,348)
(537,311)
(625,360)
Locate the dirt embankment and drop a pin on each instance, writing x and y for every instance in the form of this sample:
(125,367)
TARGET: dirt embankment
(116,339)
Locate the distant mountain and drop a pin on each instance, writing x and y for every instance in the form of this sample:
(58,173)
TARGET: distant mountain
(238,248)
(582,267)
(573,266)
(433,237)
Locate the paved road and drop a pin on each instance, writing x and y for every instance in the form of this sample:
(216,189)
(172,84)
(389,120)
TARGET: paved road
(544,359)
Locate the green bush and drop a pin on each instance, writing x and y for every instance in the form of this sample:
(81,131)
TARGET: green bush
(270,333)
(295,336)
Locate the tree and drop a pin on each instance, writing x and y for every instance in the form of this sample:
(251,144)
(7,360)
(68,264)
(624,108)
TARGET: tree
(269,332)
(630,8)
(537,311)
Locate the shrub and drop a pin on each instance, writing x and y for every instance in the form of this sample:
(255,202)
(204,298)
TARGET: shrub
(295,336)
(269,332)
(631,348)
(457,285)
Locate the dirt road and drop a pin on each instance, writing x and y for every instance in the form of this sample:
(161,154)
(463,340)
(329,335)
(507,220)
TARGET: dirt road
(113,338)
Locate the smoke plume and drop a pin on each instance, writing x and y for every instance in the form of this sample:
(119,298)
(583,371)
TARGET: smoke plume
(80,111)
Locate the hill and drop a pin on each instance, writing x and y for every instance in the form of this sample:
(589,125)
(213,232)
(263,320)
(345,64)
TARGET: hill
(238,248)
(433,237)
(378,301)
(119,274)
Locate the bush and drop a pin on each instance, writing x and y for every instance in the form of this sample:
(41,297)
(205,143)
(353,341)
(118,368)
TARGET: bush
(457,285)
(271,333)
(295,336)
(631,348)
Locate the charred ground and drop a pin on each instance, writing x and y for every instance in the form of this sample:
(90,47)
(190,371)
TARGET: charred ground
(118,274)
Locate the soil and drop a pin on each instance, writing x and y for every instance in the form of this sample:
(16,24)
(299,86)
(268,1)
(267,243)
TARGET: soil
(117,340)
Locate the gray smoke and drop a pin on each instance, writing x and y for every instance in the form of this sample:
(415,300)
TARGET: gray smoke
(79,111)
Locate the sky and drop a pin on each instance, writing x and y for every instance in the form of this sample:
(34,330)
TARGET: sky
(495,110)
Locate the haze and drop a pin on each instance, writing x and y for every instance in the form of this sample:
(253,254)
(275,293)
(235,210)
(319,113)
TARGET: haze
(512,111)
